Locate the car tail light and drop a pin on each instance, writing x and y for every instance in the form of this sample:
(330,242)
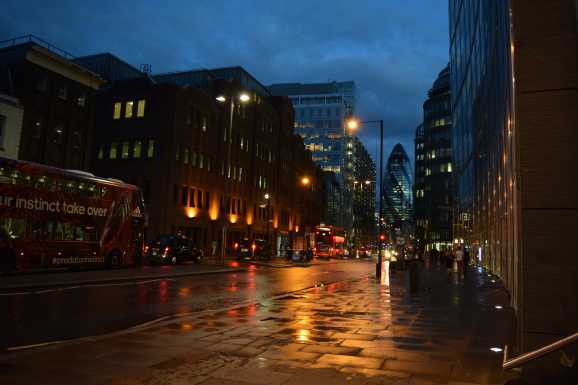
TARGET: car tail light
(236,245)
(146,249)
(253,246)
(166,250)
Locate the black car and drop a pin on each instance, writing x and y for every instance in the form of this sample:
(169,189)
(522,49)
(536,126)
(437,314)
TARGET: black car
(254,249)
(172,249)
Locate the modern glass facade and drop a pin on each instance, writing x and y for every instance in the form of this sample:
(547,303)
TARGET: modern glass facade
(433,169)
(514,91)
(321,114)
(397,204)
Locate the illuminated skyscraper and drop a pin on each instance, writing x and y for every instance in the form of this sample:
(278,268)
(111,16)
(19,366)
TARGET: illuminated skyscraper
(397,204)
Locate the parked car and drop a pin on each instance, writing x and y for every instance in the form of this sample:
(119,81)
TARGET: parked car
(254,249)
(171,249)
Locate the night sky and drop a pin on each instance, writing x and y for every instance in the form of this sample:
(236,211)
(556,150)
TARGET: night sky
(393,50)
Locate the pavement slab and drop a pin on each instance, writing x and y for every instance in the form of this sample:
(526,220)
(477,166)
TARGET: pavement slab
(364,331)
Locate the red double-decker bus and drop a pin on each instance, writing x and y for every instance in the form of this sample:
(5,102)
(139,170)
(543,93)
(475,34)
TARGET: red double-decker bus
(51,217)
(329,241)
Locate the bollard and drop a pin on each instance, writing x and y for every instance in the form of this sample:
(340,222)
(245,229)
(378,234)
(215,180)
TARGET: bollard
(414,275)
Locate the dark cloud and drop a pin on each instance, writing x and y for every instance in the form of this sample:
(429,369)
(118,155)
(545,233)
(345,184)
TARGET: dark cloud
(393,50)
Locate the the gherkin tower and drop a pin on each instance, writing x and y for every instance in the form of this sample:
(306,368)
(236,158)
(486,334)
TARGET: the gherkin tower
(398,191)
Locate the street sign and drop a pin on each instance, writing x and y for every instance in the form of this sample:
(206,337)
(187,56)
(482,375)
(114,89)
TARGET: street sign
(400,241)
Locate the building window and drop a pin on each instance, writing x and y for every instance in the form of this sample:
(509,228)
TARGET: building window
(190,115)
(128,109)
(112,152)
(178,153)
(37,128)
(195,157)
(136,149)
(187,154)
(100,150)
(200,198)
(42,82)
(81,98)
(58,129)
(117,107)
(150,149)
(140,110)
(62,90)
(185,195)
(202,160)
(204,123)
(77,137)
(209,163)
(125,146)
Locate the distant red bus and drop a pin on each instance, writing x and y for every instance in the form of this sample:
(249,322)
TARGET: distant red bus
(61,218)
(329,241)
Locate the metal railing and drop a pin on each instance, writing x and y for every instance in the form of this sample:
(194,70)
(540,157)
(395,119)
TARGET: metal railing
(566,360)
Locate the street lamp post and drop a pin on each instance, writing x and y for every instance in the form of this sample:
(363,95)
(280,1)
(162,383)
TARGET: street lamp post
(227,170)
(378,267)
(268,219)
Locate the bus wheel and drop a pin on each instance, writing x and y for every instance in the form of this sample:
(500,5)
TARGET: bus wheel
(114,259)
(7,262)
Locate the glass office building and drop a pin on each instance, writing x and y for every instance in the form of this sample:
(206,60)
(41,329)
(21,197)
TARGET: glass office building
(321,114)
(397,206)
(433,169)
(514,91)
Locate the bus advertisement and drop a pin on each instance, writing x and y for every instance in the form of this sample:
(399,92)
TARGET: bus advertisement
(51,218)
(329,241)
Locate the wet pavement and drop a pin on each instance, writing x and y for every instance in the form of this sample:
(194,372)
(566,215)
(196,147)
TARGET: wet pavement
(363,331)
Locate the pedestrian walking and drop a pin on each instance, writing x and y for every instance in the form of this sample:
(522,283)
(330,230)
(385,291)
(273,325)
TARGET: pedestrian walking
(214,245)
(466,262)
(449,259)
(460,261)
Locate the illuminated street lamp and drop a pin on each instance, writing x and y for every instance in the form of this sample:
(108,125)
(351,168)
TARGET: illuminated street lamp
(267,208)
(353,124)
(242,97)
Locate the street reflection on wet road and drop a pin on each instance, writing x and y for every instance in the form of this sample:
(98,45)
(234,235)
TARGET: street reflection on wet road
(45,316)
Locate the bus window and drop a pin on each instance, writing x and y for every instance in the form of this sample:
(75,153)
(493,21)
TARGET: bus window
(67,186)
(64,231)
(86,189)
(78,233)
(42,230)
(44,182)
(89,234)
(6,175)
(16,227)
(22,178)
(103,189)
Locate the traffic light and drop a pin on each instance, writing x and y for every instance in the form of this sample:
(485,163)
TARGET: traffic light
(382,237)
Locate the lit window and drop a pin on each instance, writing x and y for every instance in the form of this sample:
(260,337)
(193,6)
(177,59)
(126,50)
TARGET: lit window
(82,98)
(117,107)
(136,149)
(58,129)
(112,153)
(37,128)
(101,150)
(151,148)
(128,109)
(125,145)
(140,109)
